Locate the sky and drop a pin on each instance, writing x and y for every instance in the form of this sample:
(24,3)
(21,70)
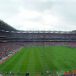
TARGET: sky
(47,15)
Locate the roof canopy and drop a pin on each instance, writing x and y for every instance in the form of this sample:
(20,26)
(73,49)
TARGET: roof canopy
(5,26)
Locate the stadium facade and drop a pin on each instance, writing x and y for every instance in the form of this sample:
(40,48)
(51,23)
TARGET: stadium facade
(7,33)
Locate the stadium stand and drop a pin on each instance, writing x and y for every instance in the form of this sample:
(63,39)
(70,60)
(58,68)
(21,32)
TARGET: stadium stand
(12,39)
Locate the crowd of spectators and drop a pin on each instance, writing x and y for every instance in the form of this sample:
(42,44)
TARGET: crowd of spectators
(8,48)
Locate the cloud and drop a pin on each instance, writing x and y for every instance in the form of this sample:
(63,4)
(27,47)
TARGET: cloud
(39,14)
(35,20)
(67,10)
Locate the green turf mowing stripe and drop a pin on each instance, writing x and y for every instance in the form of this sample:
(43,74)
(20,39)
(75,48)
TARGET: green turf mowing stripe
(25,61)
(31,64)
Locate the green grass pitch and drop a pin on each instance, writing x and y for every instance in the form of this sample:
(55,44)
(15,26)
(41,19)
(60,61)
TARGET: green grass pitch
(39,59)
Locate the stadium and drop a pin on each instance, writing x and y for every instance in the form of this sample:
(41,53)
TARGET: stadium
(36,53)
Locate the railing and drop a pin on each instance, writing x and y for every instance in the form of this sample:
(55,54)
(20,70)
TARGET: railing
(34,74)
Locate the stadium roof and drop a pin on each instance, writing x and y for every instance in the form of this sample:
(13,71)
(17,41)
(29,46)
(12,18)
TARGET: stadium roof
(5,27)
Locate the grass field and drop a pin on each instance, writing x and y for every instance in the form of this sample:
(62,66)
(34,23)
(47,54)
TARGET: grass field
(39,59)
